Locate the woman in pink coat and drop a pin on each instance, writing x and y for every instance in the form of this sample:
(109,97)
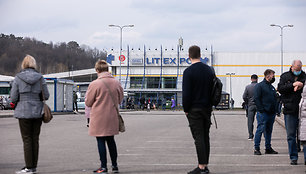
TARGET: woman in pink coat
(104,123)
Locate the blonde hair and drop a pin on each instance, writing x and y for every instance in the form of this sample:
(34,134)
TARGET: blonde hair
(28,62)
(101,66)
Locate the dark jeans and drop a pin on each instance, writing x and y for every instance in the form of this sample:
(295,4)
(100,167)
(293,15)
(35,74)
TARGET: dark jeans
(30,130)
(75,106)
(112,150)
(291,123)
(199,123)
(251,115)
(265,123)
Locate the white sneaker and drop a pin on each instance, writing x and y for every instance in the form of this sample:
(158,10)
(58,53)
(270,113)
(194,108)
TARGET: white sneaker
(26,170)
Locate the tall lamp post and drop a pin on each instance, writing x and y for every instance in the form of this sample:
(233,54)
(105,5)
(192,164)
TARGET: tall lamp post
(121,27)
(281,35)
(230,74)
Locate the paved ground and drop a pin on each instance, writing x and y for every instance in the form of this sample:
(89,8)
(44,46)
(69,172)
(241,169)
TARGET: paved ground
(155,142)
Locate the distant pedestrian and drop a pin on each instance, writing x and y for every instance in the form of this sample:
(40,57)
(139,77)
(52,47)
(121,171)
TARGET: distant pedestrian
(26,92)
(75,102)
(197,87)
(266,104)
(142,103)
(248,97)
(173,104)
(290,87)
(87,113)
(104,123)
(164,103)
(302,118)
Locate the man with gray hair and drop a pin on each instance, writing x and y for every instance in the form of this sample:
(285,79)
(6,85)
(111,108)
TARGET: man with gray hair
(290,87)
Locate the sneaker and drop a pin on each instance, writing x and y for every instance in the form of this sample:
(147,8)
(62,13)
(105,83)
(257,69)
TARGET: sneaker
(270,151)
(115,169)
(293,162)
(25,170)
(199,171)
(257,152)
(250,139)
(100,170)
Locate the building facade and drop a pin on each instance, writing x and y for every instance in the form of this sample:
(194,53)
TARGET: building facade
(157,74)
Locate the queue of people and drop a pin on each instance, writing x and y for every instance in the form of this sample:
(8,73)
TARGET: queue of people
(105,94)
(268,102)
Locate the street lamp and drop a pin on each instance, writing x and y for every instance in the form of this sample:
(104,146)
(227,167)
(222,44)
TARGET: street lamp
(230,74)
(281,35)
(121,27)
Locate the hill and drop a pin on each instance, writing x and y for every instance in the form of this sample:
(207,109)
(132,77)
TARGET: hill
(50,58)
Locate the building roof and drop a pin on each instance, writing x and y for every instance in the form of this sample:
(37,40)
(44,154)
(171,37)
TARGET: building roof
(71,73)
(4,78)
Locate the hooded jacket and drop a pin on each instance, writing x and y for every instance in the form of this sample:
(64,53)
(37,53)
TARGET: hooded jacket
(289,98)
(26,92)
(302,116)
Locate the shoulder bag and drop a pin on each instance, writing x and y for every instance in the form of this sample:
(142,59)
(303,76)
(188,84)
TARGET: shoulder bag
(47,115)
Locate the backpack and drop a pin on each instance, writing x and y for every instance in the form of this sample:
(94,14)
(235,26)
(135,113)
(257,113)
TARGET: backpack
(216,91)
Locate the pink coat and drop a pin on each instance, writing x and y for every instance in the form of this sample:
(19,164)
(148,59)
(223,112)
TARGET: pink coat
(103,115)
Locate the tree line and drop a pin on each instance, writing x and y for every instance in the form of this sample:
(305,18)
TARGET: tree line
(50,57)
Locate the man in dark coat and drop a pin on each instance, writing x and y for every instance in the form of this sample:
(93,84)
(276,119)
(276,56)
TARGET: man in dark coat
(197,87)
(266,104)
(290,86)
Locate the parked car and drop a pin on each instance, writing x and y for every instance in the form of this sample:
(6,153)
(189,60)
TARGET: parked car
(81,103)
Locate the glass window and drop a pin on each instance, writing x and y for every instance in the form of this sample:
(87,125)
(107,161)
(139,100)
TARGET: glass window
(136,82)
(152,82)
(169,82)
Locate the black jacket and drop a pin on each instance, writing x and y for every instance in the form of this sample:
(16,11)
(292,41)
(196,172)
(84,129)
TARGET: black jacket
(289,98)
(265,97)
(197,86)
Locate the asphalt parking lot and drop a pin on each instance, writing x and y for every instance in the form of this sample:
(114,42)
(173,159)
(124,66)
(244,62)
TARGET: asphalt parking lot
(155,142)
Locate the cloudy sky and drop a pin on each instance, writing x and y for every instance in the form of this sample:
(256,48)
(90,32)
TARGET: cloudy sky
(228,25)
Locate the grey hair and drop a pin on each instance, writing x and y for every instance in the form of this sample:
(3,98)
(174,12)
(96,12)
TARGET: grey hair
(296,61)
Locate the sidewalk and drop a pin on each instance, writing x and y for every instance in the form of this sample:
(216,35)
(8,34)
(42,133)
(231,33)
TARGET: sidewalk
(156,142)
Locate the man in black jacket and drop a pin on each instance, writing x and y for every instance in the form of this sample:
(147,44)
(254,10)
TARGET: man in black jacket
(290,86)
(197,87)
(266,104)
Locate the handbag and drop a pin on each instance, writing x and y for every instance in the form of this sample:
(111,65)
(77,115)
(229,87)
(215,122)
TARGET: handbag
(47,115)
(121,122)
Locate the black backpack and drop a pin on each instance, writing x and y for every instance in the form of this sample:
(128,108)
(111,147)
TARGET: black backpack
(216,91)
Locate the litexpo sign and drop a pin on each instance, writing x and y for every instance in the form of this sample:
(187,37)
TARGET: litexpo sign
(167,61)
(152,61)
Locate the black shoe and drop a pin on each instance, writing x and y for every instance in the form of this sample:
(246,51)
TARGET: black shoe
(199,171)
(257,152)
(115,169)
(270,151)
(293,162)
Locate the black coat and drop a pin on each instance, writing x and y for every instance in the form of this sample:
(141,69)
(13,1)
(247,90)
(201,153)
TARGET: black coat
(289,98)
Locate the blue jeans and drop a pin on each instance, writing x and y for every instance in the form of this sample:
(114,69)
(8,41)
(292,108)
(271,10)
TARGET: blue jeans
(291,123)
(265,123)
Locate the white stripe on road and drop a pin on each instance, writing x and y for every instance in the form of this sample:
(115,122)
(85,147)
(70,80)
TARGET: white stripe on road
(211,155)
(219,165)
